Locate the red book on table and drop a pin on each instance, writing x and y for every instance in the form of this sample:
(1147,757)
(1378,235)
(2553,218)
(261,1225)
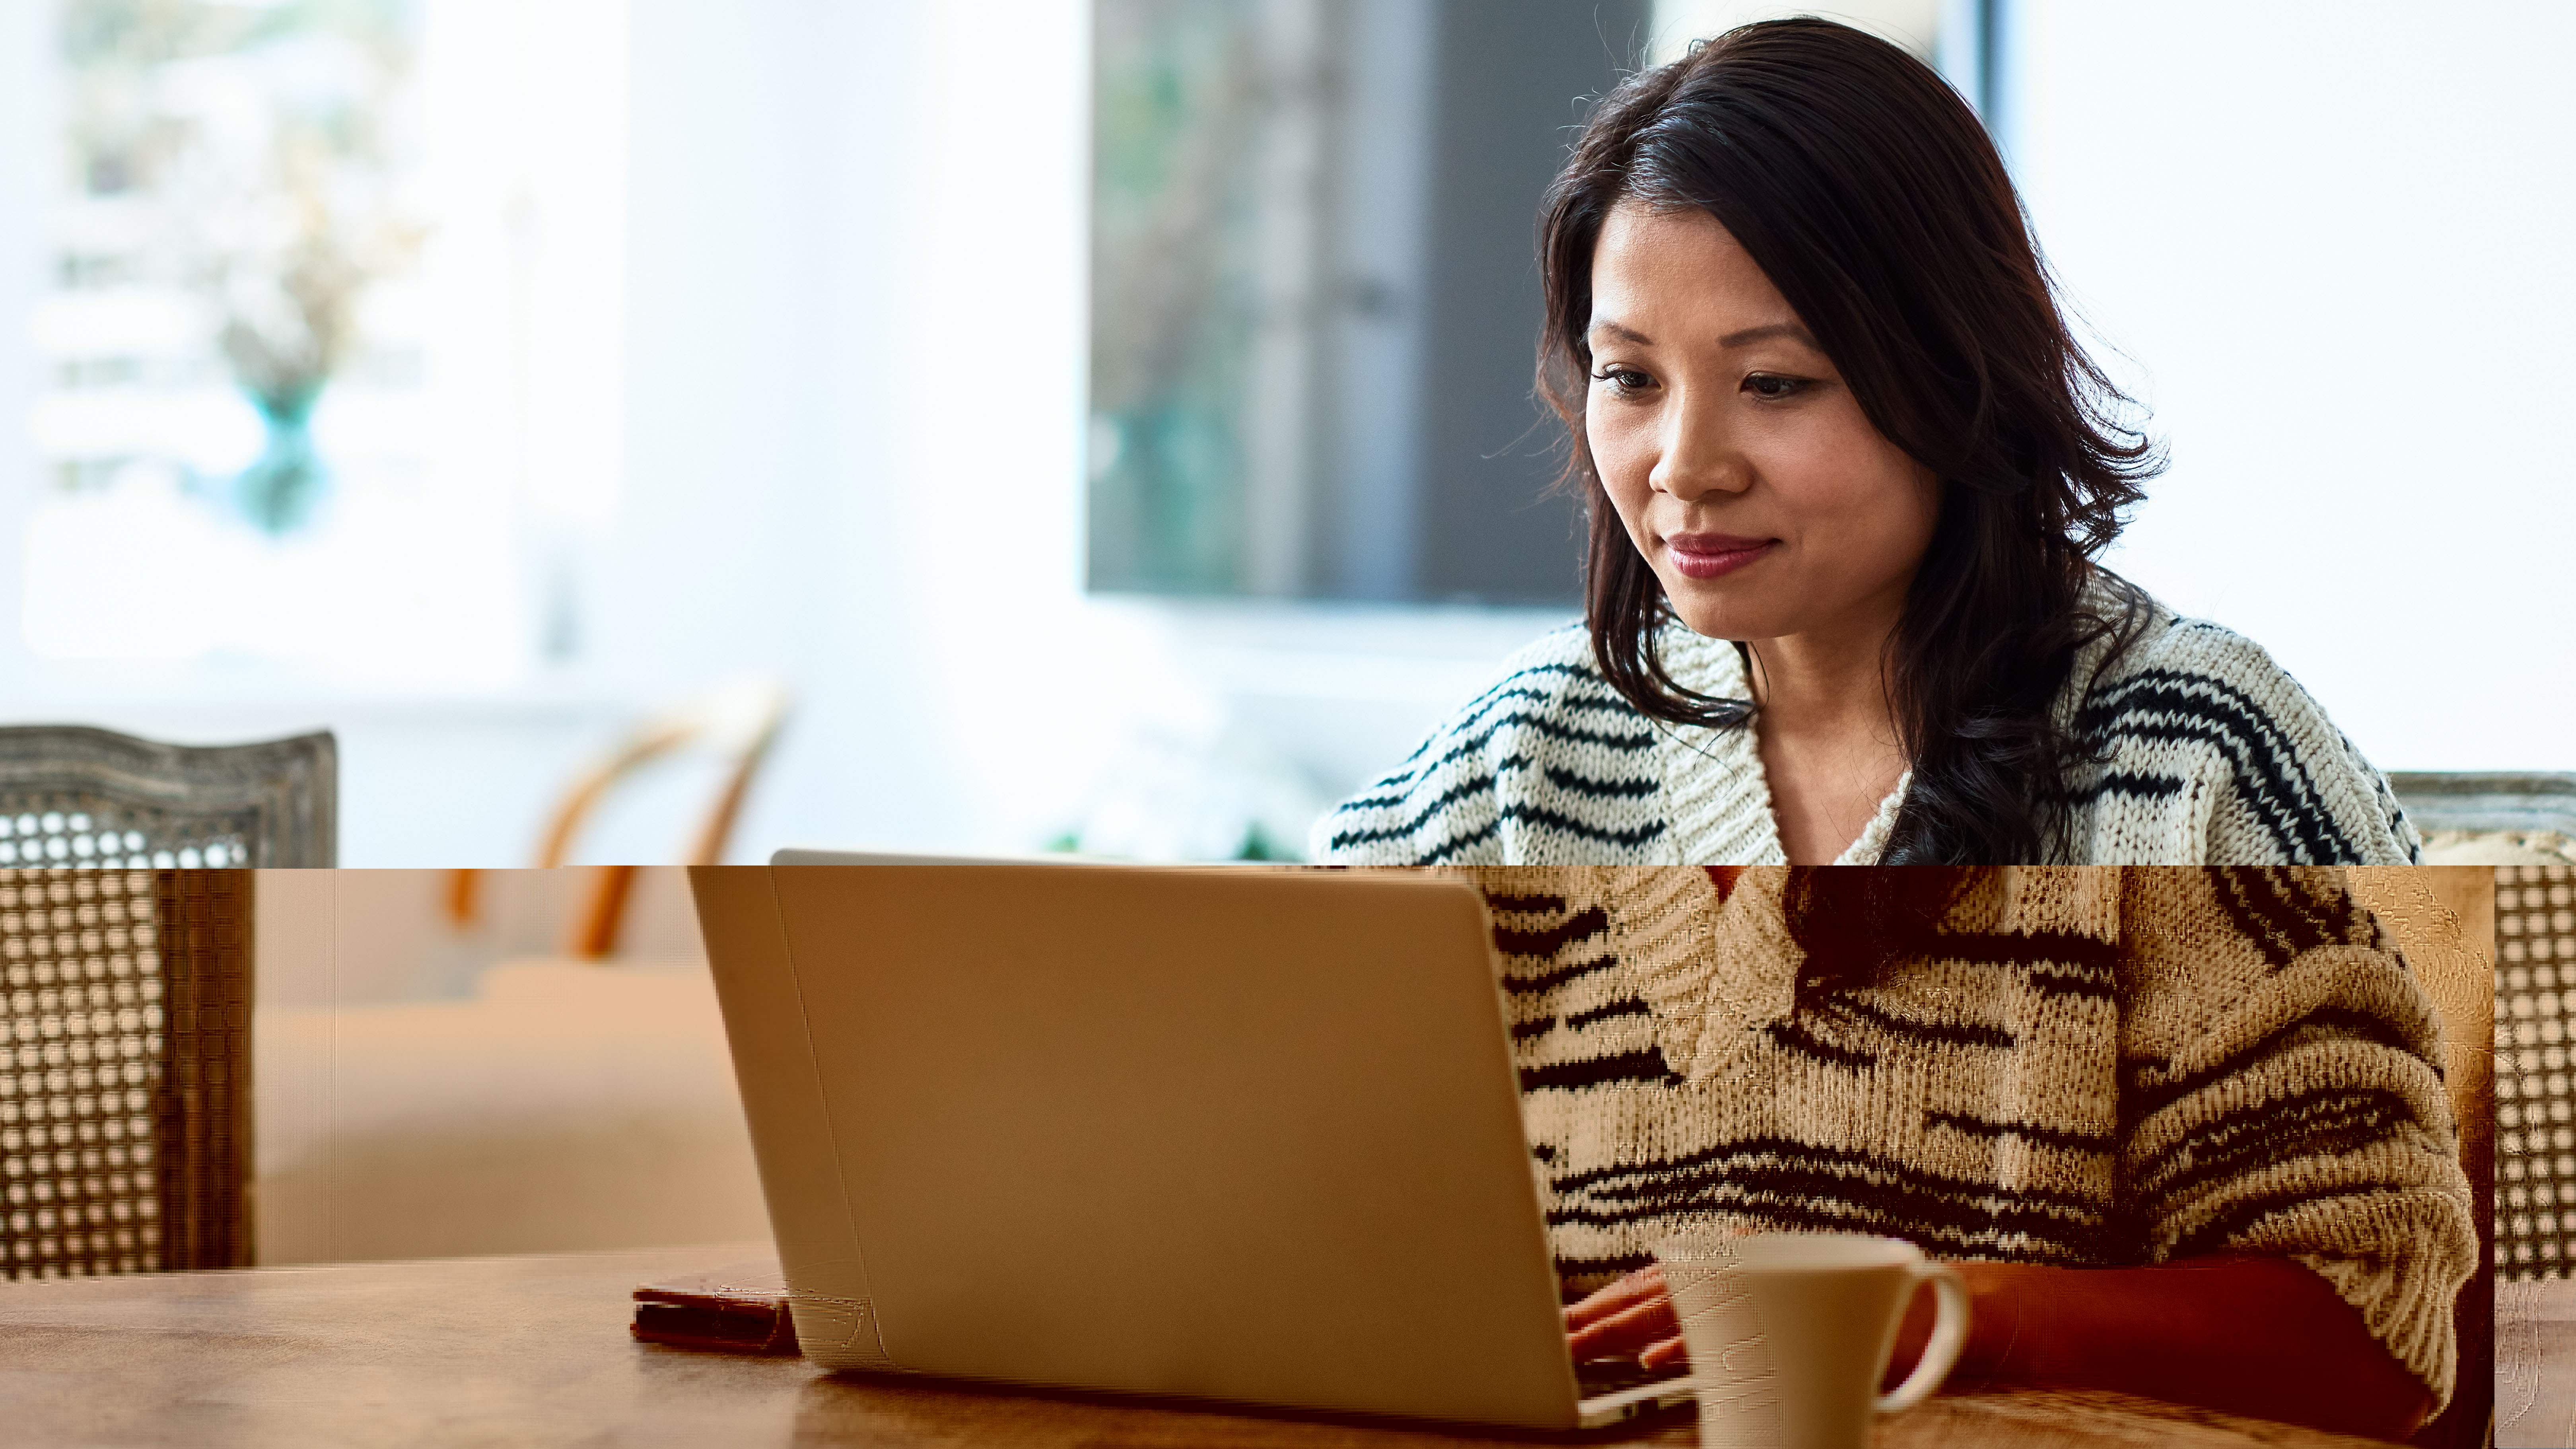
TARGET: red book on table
(736,1309)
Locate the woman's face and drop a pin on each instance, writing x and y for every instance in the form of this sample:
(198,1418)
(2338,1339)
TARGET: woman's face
(1740,463)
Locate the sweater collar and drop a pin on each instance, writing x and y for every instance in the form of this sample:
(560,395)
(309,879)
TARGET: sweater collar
(1717,799)
(1714,974)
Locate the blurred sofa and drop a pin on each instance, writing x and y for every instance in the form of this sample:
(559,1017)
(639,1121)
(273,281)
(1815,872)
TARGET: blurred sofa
(555,1105)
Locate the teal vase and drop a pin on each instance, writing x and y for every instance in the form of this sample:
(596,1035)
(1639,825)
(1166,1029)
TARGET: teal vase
(280,489)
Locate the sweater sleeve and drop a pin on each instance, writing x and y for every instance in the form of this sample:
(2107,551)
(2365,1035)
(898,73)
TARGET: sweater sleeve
(1546,766)
(2206,734)
(2281,1093)
(1439,807)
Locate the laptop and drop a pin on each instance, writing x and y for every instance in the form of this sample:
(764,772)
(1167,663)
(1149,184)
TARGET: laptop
(1219,1133)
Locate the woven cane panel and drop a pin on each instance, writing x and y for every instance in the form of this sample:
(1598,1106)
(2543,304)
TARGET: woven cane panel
(78,828)
(123,1070)
(2535,1105)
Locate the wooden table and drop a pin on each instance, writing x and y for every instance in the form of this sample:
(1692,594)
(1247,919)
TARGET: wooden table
(534,1351)
(2535,1364)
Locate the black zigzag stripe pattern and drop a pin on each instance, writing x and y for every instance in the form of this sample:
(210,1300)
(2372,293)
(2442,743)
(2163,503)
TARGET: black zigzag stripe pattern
(2195,748)
(1990,1094)
(1550,754)
(1609,1012)
(1957,1033)
(2154,1086)
(1580,1031)
(1553,958)
(1798,1186)
(2064,1139)
(2273,909)
(2174,706)
(2051,963)
(1550,939)
(1644,1067)
(1798,1037)
(2324,1122)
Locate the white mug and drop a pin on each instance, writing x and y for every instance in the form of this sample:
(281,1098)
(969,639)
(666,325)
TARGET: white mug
(1789,1333)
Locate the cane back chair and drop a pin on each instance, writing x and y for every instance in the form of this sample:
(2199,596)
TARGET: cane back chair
(125,989)
(125,1091)
(2535,987)
(75,796)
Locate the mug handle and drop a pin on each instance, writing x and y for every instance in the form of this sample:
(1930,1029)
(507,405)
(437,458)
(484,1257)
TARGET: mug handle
(1949,1336)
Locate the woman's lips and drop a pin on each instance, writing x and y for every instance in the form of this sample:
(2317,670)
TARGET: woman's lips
(1708,555)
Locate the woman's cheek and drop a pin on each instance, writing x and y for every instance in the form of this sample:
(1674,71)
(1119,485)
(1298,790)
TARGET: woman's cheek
(1615,456)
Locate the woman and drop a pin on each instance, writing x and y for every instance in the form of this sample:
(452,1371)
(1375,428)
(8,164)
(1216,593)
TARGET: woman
(2182,1131)
(1846,473)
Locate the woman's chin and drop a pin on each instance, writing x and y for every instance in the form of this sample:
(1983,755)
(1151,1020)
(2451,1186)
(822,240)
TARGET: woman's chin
(1716,617)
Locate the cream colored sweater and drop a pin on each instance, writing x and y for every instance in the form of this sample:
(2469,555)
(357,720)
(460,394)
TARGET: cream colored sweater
(2083,1068)
(2214,757)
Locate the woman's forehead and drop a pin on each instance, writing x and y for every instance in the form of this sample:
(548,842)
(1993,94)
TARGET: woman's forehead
(1676,274)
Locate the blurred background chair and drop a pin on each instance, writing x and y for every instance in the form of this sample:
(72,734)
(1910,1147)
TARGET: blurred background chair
(735,721)
(2491,819)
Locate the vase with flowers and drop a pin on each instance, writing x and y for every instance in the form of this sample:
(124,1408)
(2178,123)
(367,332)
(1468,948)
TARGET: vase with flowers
(288,316)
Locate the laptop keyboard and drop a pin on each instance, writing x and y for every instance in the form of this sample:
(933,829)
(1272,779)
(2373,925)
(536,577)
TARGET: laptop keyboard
(1610,1375)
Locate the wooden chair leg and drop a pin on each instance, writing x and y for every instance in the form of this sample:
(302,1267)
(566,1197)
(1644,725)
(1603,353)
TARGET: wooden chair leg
(603,916)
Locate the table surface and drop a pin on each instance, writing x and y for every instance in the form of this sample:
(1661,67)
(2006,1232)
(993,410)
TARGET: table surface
(534,1351)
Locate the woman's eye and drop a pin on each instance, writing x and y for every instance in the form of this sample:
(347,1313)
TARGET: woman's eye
(1624,379)
(1772,385)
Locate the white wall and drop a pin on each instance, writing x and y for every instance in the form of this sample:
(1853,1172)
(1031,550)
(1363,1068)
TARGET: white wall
(2330,238)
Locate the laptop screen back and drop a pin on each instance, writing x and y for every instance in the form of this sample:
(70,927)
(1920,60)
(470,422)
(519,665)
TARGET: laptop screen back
(1246,1135)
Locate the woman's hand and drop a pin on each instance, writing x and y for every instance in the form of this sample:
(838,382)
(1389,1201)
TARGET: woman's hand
(1632,1318)
(2260,1336)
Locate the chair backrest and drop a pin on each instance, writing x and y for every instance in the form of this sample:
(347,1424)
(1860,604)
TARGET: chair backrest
(737,721)
(124,1070)
(75,796)
(2535,1040)
(2491,819)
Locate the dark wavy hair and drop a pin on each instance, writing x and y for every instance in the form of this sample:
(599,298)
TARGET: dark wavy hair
(1851,921)
(1870,195)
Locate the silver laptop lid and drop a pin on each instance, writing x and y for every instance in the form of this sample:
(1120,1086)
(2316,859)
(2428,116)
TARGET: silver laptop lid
(1245,1135)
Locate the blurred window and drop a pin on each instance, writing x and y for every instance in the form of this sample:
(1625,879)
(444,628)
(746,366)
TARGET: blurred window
(328,345)
(1314,309)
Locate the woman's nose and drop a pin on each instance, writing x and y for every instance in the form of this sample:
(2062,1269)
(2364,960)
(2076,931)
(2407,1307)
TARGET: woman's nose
(1698,457)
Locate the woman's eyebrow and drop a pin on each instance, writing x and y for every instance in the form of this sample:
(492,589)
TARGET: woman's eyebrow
(1790,330)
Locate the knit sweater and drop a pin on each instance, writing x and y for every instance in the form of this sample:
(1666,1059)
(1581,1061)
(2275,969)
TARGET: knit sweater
(2081,1068)
(2207,753)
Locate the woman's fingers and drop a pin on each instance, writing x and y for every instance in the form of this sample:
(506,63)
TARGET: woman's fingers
(1629,1318)
(1668,1354)
(1625,1335)
(1642,1286)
